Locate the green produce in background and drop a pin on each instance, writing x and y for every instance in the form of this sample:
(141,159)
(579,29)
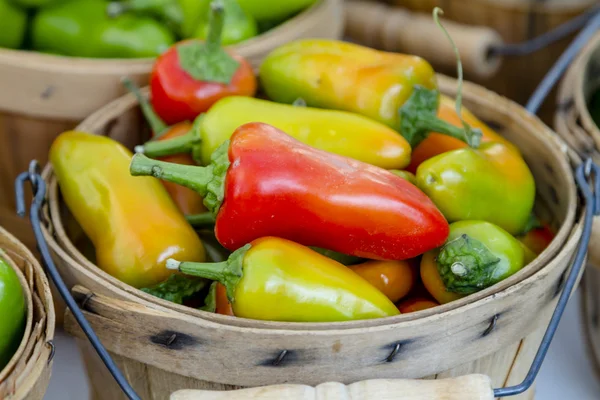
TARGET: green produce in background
(14,24)
(594,107)
(238,27)
(270,10)
(12,312)
(82,28)
(168,11)
(32,4)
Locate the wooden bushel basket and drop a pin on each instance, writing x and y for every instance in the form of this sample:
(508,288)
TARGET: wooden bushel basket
(575,124)
(28,372)
(162,347)
(43,95)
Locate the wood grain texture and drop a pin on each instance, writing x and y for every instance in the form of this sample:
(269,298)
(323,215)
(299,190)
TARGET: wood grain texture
(28,377)
(398,29)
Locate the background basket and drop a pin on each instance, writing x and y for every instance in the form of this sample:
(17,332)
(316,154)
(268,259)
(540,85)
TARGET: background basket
(43,95)
(515,21)
(28,373)
(162,347)
(575,124)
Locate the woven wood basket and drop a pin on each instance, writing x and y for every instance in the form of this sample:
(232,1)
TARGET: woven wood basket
(575,124)
(42,95)
(515,21)
(163,347)
(28,372)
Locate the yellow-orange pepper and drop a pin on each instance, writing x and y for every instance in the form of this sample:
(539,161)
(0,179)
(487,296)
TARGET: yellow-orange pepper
(395,279)
(437,143)
(133,223)
(344,76)
(433,281)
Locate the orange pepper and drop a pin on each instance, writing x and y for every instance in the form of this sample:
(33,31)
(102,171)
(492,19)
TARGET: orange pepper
(537,239)
(395,279)
(223,305)
(188,201)
(437,143)
(414,304)
(432,280)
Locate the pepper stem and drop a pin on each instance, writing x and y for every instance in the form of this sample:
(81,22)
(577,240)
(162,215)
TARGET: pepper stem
(215,24)
(207,181)
(436,17)
(181,144)
(201,220)
(466,265)
(228,272)
(157,125)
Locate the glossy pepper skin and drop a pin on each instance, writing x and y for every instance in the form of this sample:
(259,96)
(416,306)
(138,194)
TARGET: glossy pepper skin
(274,10)
(14,24)
(188,201)
(477,255)
(306,195)
(13,310)
(81,28)
(344,76)
(491,183)
(438,143)
(133,223)
(192,75)
(278,280)
(395,279)
(338,132)
(415,304)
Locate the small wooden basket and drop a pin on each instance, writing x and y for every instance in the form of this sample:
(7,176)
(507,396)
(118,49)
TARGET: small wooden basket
(162,347)
(28,372)
(575,124)
(43,95)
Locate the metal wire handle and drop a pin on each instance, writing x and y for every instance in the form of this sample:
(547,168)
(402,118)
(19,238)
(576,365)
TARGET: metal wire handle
(39,190)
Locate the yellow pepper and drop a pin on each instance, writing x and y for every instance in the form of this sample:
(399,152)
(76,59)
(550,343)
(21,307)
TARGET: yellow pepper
(133,223)
(344,76)
(338,132)
(279,280)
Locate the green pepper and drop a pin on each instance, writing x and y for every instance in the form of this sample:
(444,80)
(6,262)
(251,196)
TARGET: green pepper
(12,312)
(279,280)
(478,254)
(238,27)
(274,10)
(82,28)
(168,11)
(14,24)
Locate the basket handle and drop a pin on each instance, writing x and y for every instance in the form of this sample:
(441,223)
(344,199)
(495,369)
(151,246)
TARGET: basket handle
(398,29)
(468,387)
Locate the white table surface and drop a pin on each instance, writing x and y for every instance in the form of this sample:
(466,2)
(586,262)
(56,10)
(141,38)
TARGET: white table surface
(566,374)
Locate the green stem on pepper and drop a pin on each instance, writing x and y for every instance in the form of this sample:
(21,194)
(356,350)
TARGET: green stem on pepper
(188,143)
(157,125)
(466,265)
(228,272)
(208,181)
(202,220)
(418,114)
(207,61)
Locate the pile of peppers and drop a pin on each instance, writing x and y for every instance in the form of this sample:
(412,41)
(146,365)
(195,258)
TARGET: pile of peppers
(132,28)
(352,189)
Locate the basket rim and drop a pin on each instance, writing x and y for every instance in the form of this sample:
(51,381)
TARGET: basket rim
(446,84)
(582,63)
(48,61)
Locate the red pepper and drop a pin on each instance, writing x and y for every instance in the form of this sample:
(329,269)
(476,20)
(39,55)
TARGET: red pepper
(263,183)
(192,75)
(188,201)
